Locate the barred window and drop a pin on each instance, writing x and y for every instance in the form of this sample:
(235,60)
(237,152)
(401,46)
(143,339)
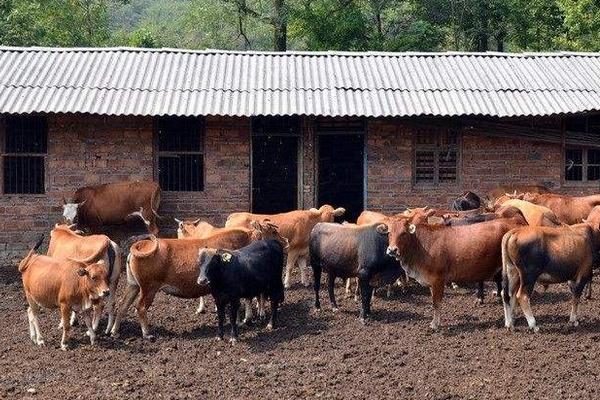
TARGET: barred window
(24,154)
(181,153)
(582,165)
(436,156)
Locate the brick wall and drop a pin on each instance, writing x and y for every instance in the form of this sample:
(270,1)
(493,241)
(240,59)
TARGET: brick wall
(87,150)
(485,163)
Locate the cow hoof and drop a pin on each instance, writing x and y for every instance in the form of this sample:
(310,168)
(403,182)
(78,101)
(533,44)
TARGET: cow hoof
(269,326)
(114,334)
(575,323)
(64,347)
(364,321)
(479,301)
(335,309)
(233,341)
(201,311)
(149,337)
(40,343)
(534,329)
(433,326)
(219,338)
(247,322)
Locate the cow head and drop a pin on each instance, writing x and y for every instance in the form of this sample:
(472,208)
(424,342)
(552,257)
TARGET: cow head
(466,201)
(327,213)
(186,228)
(70,210)
(94,278)
(268,230)
(593,218)
(418,215)
(400,233)
(211,263)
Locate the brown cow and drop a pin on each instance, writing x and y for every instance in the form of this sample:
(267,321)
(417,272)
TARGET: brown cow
(554,254)
(435,255)
(534,214)
(93,207)
(53,283)
(569,209)
(68,244)
(516,189)
(295,226)
(170,265)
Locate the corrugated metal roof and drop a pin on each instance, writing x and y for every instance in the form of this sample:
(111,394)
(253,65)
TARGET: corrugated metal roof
(127,81)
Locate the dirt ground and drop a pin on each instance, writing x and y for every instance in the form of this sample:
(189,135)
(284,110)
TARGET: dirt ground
(310,355)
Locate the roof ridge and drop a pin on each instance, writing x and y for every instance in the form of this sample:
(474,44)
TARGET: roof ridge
(303,52)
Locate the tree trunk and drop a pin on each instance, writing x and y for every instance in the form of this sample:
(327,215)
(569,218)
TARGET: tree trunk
(279,25)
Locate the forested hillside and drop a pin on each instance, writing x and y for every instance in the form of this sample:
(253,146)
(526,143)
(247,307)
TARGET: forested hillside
(389,25)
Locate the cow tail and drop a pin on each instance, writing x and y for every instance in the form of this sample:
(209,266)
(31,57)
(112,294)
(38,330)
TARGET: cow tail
(114,258)
(25,262)
(506,264)
(155,203)
(136,252)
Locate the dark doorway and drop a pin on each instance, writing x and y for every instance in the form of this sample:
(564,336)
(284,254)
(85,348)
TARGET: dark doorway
(341,170)
(274,165)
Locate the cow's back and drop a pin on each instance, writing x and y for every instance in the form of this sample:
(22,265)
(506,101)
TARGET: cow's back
(335,248)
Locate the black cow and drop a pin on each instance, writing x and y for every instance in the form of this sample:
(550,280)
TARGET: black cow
(349,250)
(252,271)
(466,201)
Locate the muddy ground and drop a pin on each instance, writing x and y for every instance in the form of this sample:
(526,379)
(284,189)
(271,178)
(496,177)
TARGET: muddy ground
(311,355)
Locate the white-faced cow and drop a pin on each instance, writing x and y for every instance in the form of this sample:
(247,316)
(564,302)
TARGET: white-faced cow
(94,207)
(294,226)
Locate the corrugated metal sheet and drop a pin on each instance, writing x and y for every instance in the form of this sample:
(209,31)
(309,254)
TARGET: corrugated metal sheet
(125,81)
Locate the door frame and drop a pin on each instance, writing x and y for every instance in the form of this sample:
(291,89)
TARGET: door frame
(299,161)
(318,132)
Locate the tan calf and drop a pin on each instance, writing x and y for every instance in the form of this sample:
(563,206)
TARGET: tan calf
(71,286)
(68,244)
(294,226)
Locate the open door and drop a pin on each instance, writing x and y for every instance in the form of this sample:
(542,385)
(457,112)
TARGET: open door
(341,167)
(275,146)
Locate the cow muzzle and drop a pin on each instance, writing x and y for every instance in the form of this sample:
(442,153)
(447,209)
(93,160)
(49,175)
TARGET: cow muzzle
(203,281)
(392,251)
(105,293)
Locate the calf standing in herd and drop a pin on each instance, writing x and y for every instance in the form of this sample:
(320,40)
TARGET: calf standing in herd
(295,226)
(556,254)
(346,251)
(253,271)
(69,285)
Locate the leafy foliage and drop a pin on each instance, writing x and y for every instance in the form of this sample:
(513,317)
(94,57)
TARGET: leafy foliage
(355,25)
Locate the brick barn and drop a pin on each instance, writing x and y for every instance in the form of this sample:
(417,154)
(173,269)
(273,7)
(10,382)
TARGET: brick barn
(229,131)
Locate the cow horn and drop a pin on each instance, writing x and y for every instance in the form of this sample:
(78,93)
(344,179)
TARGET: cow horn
(82,203)
(196,222)
(179,222)
(72,226)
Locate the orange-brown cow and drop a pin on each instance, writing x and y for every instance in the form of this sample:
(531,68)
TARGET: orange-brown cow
(516,189)
(68,244)
(569,209)
(53,283)
(170,265)
(553,254)
(534,214)
(294,226)
(435,255)
(93,207)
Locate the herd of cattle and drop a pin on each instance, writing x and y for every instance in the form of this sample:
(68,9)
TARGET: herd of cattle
(517,236)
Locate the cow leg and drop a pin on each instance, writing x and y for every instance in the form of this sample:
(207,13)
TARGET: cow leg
(290,263)
(261,306)
(498,281)
(201,306)
(523,295)
(510,285)
(577,288)
(65,313)
(348,287)
(220,320)
(233,312)
(34,324)
(144,303)
(366,293)
(88,318)
(588,292)
(248,314)
(131,292)
(480,293)
(317,284)
(96,315)
(437,293)
(303,270)
(330,291)
(273,318)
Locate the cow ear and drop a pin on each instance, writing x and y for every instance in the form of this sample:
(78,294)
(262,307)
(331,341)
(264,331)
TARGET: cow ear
(338,212)
(226,257)
(82,272)
(412,228)
(382,229)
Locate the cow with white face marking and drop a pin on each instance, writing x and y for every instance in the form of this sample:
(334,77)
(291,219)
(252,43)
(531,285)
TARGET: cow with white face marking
(71,286)
(94,207)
